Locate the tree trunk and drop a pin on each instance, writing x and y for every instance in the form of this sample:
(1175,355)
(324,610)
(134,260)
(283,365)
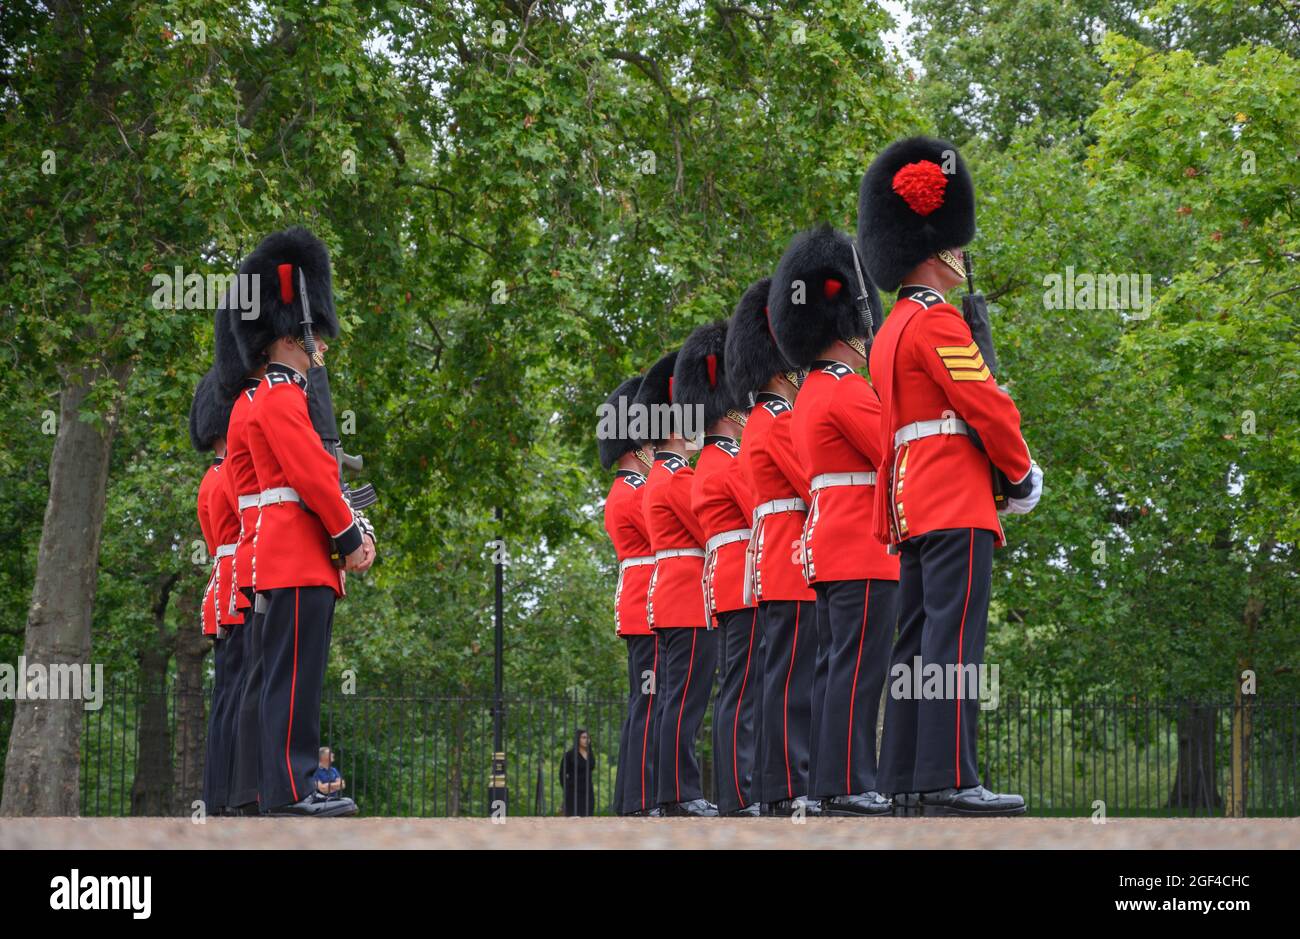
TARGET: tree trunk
(151,788)
(43,765)
(190,742)
(1195,786)
(1242,716)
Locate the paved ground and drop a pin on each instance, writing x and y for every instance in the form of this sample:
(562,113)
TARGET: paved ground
(744,834)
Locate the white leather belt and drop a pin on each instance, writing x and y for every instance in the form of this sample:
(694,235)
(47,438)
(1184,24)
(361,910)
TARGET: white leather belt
(726,537)
(918,429)
(226,550)
(679,553)
(779,505)
(249,501)
(635,562)
(827,480)
(277,495)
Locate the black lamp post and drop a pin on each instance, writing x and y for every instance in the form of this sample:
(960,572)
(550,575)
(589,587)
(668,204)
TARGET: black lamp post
(497,793)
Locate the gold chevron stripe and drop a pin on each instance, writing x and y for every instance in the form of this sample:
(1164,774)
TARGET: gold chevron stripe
(968,375)
(971,349)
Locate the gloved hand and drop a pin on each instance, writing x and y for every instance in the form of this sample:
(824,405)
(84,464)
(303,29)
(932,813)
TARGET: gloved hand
(1024,504)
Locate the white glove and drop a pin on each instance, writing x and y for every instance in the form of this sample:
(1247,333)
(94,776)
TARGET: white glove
(1025,504)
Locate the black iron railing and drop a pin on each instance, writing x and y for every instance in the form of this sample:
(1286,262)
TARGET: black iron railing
(410,753)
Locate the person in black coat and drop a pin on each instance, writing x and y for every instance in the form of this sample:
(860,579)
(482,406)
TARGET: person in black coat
(576,777)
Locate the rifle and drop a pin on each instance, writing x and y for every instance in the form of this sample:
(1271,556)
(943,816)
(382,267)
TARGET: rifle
(862,302)
(320,406)
(975,310)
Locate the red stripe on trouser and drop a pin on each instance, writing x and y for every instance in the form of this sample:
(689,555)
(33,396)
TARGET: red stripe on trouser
(961,631)
(853,691)
(293,689)
(735,727)
(677,745)
(785,717)
(649,710)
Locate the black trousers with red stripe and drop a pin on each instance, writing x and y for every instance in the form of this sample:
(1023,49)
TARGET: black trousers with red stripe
(636,758)
(236,666)
(735,712)
(216,761)
(930,736)
(790,632)
(245,771)
(688,659)
(859,617)
(295,647)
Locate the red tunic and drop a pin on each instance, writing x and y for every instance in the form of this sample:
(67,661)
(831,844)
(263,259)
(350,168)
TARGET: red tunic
(292,546)
(926,366)
(211,480)
(773,472)
(836,429)
(224,522)
(241,484)
(721,500)
(626,524)
(676,597)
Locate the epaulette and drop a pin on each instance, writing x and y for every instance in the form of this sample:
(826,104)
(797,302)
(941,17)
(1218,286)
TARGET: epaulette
(776,407)
(674,463)
(285,378)
(927,298)
(635,480)
(728,447)
(837,369)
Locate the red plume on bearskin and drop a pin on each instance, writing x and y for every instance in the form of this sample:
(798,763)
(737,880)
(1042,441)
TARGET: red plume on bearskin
(916,199)
(921,185)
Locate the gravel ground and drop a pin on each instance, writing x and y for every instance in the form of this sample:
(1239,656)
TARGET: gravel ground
(692,834)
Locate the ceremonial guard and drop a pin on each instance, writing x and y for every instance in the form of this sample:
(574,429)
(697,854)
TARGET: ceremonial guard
(822,315)
(625,522)
(675,606)
(720,499)
(209,416)
(306,529)
(240,379)
(943,421)
(778,485)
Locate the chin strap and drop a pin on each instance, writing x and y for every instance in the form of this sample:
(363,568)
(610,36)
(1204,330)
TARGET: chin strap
(640,455)
(947,257)
(734,415)
(857,345)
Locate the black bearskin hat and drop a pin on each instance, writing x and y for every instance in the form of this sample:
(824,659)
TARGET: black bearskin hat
(811,301)
(752,355)
(917,198)
(613,447)
(657,390)
(227,363)
(274,266)
(700,376)
(209,412)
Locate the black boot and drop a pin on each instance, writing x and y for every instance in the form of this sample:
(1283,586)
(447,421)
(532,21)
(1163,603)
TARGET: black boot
(695,808)
(972,800)
(749,811)
(858,804)
(787,808)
